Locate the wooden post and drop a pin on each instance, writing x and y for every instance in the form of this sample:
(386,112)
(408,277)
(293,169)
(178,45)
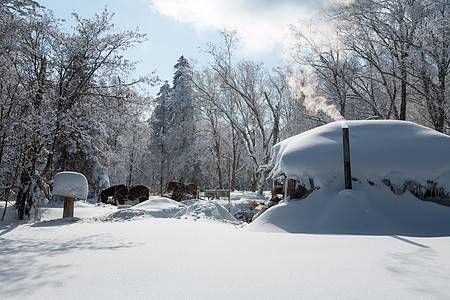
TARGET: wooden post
(68,207)
(229,184)
(347,168)
(286,183)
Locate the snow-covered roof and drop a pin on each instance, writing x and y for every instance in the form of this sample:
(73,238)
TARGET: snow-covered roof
(395,150)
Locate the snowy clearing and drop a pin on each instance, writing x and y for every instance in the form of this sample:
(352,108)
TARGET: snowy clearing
(364,243)
(162,249)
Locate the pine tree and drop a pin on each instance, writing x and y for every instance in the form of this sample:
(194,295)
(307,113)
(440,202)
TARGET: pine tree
(182,130)
(158,146)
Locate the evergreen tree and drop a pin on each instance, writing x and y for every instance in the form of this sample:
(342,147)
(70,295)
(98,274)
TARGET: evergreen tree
(182,130)
(158,146)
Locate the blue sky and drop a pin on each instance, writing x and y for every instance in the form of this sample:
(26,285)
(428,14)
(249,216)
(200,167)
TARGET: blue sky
(183,27)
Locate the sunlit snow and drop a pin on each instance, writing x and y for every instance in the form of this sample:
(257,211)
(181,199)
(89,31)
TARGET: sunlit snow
(364,243)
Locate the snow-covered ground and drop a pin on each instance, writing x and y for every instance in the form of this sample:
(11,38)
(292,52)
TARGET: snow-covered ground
(161,249)
(364,243)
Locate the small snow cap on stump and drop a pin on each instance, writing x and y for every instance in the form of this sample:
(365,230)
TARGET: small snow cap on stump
(71,185)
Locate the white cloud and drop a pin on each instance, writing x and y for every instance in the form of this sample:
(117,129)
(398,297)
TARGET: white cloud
(261,24)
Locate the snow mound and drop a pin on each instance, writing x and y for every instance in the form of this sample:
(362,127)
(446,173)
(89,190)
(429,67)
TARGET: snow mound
(365,210)
(128,214)
(201,209)
(160,207)
(156,207)
(156,203)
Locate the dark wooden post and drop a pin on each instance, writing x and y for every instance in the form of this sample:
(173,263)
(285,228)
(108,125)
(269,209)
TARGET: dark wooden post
(347,168)
(68,207)
(229,184)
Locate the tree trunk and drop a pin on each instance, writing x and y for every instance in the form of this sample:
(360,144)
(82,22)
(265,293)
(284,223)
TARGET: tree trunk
(235,161)
(403,88)
(24,200)
(219,174)
(440,113)
(6,204)
(52,152)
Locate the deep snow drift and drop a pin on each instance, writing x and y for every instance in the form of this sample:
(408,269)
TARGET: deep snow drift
(365,210)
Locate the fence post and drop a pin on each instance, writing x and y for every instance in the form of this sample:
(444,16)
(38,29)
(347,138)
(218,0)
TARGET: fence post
(347,168)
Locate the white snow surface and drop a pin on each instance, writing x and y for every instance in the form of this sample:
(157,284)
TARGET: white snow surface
(365,243)
(70,184)
(364,210)
(395,150)
(147,252)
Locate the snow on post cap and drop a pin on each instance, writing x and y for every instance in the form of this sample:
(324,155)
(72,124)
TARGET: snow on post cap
(70,184)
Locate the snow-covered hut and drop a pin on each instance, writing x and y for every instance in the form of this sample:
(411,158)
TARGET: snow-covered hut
(400,154)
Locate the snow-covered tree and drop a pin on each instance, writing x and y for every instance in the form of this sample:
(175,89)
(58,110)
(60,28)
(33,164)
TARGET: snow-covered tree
(182,132)
(83,61)
(158,160)
(247,103)
(432,63)
(58,91)
(380,59)
(25,48)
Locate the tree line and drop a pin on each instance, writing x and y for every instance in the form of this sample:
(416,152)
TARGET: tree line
(68,103)
(65,97)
